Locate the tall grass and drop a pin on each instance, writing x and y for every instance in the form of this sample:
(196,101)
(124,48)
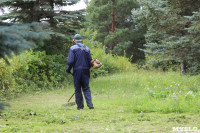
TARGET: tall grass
(144,91)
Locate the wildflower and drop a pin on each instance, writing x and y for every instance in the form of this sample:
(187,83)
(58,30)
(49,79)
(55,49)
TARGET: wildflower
(166,88)
(174,95)
(142,112)
(120,110)
(178,84)
(170,85)
(63,115)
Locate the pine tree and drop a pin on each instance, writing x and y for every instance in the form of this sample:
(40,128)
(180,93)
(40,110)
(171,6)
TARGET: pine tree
(15,38)
(170,37)
(67,27)
(28,11)
(115,25)
(61,22)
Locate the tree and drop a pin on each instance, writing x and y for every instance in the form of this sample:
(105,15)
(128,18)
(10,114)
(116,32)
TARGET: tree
(67,27)
(15,38)
(115,25)
(170,31)
(61,22)
(28,11)
(18,37)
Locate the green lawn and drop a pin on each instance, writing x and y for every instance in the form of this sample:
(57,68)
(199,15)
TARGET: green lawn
(126,102)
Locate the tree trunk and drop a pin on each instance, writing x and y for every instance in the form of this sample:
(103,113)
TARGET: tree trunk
(113,18)
(112,46)
(183,67)
(113,25)
(35,17)
(51,15)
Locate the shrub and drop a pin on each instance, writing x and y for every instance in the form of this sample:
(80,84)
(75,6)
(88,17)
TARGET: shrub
(6,79)
(32,71)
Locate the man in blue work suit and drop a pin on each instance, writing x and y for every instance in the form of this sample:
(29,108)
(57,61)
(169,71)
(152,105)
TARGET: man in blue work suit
(80,59)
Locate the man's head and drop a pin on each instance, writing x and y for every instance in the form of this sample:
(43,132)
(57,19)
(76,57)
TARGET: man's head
(78,38)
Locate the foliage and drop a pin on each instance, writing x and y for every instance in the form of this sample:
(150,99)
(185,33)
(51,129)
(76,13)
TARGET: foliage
(32,71)
(172,31)
(29,11)
(69,22)
(18,37)
(115,26)
(62,24)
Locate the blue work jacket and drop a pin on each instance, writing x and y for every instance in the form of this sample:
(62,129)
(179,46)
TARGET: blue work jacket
(79,57)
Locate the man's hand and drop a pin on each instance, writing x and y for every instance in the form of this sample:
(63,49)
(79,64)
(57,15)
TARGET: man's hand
(92,63)
(68,69)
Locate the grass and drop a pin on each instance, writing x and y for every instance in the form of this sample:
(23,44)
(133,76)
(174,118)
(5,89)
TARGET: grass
(126,102)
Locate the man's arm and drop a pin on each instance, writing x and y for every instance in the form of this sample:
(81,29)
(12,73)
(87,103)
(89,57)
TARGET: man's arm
(90,59)
(70,61)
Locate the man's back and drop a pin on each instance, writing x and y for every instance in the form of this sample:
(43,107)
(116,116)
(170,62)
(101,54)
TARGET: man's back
(79,57)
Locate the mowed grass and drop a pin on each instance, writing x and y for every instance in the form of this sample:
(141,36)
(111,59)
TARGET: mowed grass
(137,101)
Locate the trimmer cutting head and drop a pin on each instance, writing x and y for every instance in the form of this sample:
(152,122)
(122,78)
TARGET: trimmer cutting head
(69,104)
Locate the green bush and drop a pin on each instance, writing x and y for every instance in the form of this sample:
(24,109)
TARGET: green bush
(7,81)
(32,71)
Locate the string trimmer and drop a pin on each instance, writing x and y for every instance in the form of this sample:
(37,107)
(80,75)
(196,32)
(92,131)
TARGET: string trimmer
(70,103)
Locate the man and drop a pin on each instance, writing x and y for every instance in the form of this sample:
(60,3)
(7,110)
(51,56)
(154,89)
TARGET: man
(80,59)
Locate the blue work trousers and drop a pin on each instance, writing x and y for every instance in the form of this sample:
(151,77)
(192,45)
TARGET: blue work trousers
(81,81)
